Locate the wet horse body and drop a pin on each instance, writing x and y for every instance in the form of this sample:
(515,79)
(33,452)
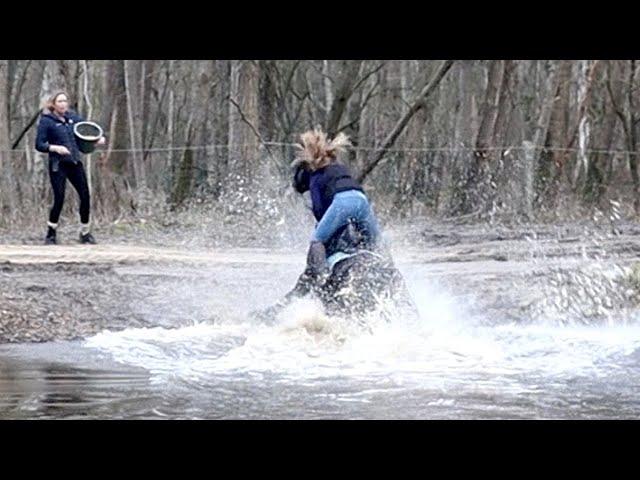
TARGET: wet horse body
(360,280)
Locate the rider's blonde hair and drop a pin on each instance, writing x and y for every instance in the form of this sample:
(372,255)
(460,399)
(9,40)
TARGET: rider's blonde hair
(317,151)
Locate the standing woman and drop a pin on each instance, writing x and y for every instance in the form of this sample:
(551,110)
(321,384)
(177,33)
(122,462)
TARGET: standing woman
(55,137)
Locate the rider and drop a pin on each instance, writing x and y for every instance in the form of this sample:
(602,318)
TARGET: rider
(338,201)
(347,237)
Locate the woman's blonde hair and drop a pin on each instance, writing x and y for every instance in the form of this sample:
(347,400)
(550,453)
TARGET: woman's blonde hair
(317,151)
(49,101)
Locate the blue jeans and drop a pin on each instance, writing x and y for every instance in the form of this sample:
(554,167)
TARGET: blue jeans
(345,205)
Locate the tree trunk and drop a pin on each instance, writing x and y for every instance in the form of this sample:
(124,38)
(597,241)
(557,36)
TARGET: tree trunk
(266,96)
(328,94)
(243,118)
(344,90)
(596,178)
(130,100)
(219,161)
(632,137)
(147,84)
(476,190)
(118,124)
(6,174)
(552,160)
(182,187)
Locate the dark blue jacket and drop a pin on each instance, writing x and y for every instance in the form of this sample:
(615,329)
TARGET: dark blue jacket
(325,183)
(55,131)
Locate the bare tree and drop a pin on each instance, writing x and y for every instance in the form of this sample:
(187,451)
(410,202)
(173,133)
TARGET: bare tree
(418,103)
(5,157)
(477,185)
(600,166)
(552,158)
(429,138)
(627,115)
(243,118)
(345,86)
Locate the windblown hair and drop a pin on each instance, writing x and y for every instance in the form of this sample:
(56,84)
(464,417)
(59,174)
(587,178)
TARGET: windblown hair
(49,101)
(317,151)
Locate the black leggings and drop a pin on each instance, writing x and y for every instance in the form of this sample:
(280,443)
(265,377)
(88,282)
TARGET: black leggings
(75,173)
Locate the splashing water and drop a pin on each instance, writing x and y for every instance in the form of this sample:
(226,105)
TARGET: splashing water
(457,359)
(448,358)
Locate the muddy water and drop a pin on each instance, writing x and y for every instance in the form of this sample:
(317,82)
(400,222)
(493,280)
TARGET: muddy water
(498,337)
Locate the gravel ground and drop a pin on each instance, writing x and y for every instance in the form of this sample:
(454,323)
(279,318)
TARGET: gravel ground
(72,291)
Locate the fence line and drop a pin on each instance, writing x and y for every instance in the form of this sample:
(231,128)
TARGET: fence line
(507,149)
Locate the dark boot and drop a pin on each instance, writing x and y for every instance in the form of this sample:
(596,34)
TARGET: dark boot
(87,238)
(50,239)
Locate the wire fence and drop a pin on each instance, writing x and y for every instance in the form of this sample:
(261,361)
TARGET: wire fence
(364,148)
(426,178)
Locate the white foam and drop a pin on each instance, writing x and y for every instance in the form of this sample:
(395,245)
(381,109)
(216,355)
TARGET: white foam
(444,346)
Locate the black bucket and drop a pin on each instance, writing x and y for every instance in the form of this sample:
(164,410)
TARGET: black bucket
(87,135)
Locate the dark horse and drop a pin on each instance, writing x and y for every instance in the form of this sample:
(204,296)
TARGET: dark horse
(362,280)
